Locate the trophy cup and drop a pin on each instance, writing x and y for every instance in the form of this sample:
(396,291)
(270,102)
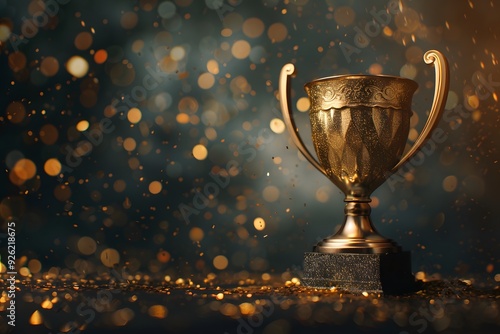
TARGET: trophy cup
(360,125)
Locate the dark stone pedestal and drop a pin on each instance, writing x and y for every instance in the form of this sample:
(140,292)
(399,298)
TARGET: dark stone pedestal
(388,273)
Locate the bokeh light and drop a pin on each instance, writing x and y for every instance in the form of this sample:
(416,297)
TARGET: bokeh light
(52,167)
(146,138)
(200,152)
(77,66)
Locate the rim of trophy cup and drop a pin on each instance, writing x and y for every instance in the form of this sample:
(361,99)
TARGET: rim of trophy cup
(358,76)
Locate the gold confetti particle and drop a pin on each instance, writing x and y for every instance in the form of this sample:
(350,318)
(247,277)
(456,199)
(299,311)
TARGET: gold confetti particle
(247,308)
(134,115)
(100,56)
(277,125)
(473,101)
(77,66)
(62,192)
(200,152)
(407,20)
(178,53)
(375,69)
(4,33)
(182,118)
(36,318)
(220,262)
(122,317)
(49,66)
(23,170)
(450,183)
(408,71)
(322,194)
(213,66)
(240,49)
(129,144)
(303,104)
(277,32)
(82,125)
(24,271)
(155,187)
(163,256)
(129,20)
(52,167)
(206,80)
(34,266)
(253,27)
(47,304)
(16,112)
(49,134)
(259,223)
(158,311)
(344,15)
(86,245)
(17,61)
(83,40)
(196,234)
(420,276)
(110,257)
(271,193)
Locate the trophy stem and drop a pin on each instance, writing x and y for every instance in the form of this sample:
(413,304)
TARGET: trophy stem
(357,234)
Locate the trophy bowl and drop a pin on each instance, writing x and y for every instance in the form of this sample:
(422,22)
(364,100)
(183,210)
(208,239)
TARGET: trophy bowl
(360,126)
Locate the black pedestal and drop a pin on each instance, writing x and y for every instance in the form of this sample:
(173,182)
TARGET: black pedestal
(388,273)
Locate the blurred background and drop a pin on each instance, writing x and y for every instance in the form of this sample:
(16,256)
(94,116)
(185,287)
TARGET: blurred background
(147,134)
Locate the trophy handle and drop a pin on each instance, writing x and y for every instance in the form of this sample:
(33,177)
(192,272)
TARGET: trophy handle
(440,95)
(284,88)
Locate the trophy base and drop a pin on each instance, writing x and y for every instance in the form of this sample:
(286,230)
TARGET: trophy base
(388,273)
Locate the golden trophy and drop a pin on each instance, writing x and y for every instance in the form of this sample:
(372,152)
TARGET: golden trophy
(360,125)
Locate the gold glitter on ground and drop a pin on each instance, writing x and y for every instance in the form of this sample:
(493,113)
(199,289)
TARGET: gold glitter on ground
(142,302)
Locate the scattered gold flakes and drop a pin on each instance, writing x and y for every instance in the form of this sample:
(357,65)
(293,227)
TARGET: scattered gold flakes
(200,152)
(49,66)
(77,66)
(86,245)
(83,40)
(101,56)
(303,104)
(52,167)
(36,318)
(277,125)
(277,32)
(344,15)
(16,112)
(220,262)
(110,257)
(163,256)
(23,170)
(259,224)
(82,125)
(206,80)
(158,311)
(134,115)
(155,187)
(47,304)
(122,316)
(196,234)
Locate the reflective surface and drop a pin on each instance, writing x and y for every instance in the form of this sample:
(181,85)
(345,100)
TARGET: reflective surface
(359,128)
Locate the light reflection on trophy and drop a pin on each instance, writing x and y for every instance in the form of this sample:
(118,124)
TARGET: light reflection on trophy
(360,125)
